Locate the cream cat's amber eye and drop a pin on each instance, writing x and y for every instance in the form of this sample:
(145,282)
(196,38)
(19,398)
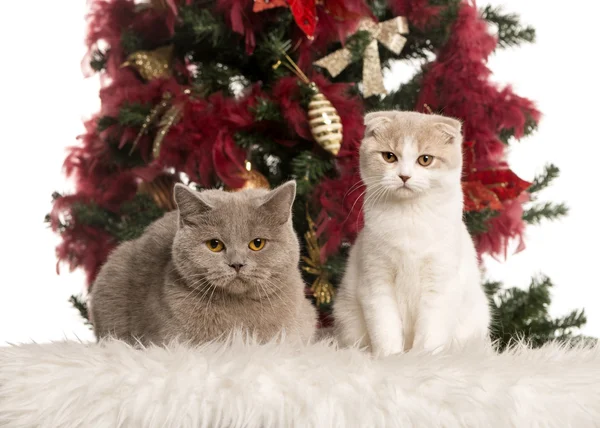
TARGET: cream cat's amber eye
(425,160)
(389,157)
(257,244)
(215,245)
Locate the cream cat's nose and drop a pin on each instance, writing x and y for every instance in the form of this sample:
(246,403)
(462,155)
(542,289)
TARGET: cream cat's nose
(405,178)
(237,266)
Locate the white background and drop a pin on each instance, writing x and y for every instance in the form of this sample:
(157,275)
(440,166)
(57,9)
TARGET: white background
(45,98)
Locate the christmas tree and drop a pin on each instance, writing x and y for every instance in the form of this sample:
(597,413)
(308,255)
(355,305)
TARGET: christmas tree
(239,93)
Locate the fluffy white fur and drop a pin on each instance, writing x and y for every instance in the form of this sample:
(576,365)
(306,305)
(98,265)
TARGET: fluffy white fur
(279,385)
(412,279)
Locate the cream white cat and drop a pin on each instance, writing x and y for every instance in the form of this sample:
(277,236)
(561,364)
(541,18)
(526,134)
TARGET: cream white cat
(412,279)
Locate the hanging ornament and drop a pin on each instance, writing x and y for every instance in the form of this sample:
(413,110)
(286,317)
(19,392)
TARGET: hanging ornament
(303,11)
(253,179)
(321,288)
(170,118)
(160,189)
(324,120)
(164,115)
(152,118)
(154,64)
(389,33)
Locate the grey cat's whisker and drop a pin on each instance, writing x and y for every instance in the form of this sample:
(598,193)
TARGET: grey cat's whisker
(284,303)
(268,298)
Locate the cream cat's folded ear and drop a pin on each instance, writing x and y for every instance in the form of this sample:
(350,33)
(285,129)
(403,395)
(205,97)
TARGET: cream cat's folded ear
(377,119)
(190,203)
(278,203)
(451,127)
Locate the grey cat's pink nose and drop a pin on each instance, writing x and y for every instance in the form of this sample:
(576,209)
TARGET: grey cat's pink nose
(405,178)
(237,266)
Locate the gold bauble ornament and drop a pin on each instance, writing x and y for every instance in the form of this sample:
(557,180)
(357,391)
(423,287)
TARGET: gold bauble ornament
(253,179)
(321,288)
(325,122)
(161,191)
(154,64)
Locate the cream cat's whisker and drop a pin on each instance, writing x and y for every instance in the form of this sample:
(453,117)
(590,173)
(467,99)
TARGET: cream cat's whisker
(361,183)
(354,204)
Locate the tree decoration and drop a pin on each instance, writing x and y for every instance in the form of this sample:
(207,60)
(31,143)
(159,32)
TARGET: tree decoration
(303,11)
(151,65)
(321,287)
(253,179)
(164,115)
(487,186)
(170,118)
(324,121)
(389,33)
(152,118)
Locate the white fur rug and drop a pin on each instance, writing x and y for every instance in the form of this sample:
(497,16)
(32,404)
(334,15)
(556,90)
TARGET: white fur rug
(72,384)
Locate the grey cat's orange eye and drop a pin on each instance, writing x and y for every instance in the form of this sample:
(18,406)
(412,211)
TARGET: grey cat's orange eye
(257,244)
(425,160)
(389,157)
(215,245)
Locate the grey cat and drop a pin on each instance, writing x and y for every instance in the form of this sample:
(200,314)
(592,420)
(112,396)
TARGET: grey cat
(222,261)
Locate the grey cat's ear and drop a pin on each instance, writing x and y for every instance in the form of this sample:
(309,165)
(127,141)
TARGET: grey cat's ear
(190,204)
(451,127)
(376,120)
(277,205)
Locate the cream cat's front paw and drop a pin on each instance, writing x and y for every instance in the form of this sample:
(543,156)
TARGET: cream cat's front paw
(431,342)
(387,349)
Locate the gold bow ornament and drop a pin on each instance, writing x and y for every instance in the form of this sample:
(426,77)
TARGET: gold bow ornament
(388,33)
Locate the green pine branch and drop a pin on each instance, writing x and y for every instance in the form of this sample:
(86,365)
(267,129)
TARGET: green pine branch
(478,221)
(132,42)
(404,98)
(547,210)
(510,31)
(131,221)
(357,43)
(214,77)
(309,169)
(105,122)
(505,135)
(98,60)
(81,306)
(491,288)
(524,314)
(543,180)
(266,109)
(198,26)
(133,114)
